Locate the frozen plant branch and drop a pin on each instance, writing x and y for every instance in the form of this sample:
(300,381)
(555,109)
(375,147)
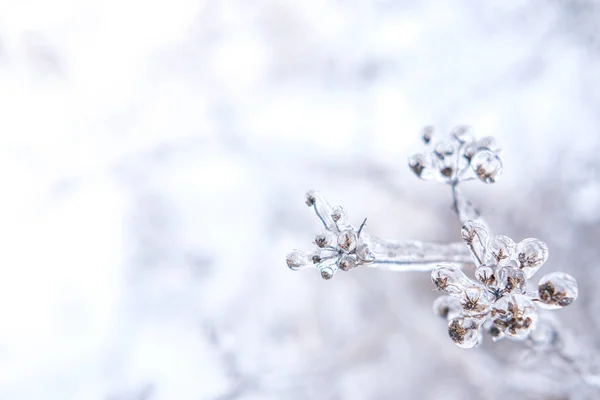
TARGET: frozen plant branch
(501,300)
(458,157)
(344,247)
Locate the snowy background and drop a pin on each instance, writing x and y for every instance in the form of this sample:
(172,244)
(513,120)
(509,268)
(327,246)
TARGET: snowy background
(154,157)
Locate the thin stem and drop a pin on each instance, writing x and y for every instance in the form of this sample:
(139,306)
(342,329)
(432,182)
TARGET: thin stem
(465,210)
(415,255)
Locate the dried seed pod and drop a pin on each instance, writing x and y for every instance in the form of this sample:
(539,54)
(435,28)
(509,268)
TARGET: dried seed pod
(339,216)
(464,331)
(422,167)
(511,280)
(475,300)
(327,273)
(531,255)
(557,290)
(325,239)
(500,249)
(515,315)
(310,198)
(475,236)
(450,279)
(427,134)
(487,165)
(346,262)
(297,260)
(486,274)
(447,307)
(347,240)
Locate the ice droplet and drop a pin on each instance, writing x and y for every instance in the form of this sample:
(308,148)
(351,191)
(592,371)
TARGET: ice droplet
(450,279)
(346,262)
(487,165)
(515,315)
(500,250)
(557,290)
(297,259)
(347,241)
(475,236)
(464,331)
(531,255)
(475,300)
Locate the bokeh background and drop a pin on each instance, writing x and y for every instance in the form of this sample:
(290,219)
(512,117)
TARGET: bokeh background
(154,157)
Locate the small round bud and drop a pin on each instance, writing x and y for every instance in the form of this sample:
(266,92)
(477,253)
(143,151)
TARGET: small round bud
(346,262)
(419,165)
(486,274)
(296,260)
(487,166)
(310,198)
(500,250)
(511,280)
(464,332)
(427,134)
(515,315)
(324,239)
(327,273)
(475,300)
(475,235)
(557,290)
(450,279)
(531,255)
(339,215)
(347,241)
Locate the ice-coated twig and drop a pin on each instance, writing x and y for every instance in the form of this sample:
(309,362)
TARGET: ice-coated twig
(455,158)
(343,247)
(499,300)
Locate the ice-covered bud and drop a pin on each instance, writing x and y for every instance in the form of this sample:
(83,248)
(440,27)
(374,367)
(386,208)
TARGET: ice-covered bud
(450,279)
(511,280)
(310,198)
(531,255)
(515,315)
(475,300)
(427,134)
(420,166)
(339,215)
(347,240)
(327,273)
(325,239)
(487,165)
(557,290)
(464,331)
(500,250)
(297,260)
(486,274)
(476,236)
(346,262)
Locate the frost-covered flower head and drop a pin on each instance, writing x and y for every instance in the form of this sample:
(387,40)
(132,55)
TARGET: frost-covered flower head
(498,299)
(339,247)
(457,157)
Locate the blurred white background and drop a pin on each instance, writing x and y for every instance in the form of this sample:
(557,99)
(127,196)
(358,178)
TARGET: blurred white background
(154,157)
